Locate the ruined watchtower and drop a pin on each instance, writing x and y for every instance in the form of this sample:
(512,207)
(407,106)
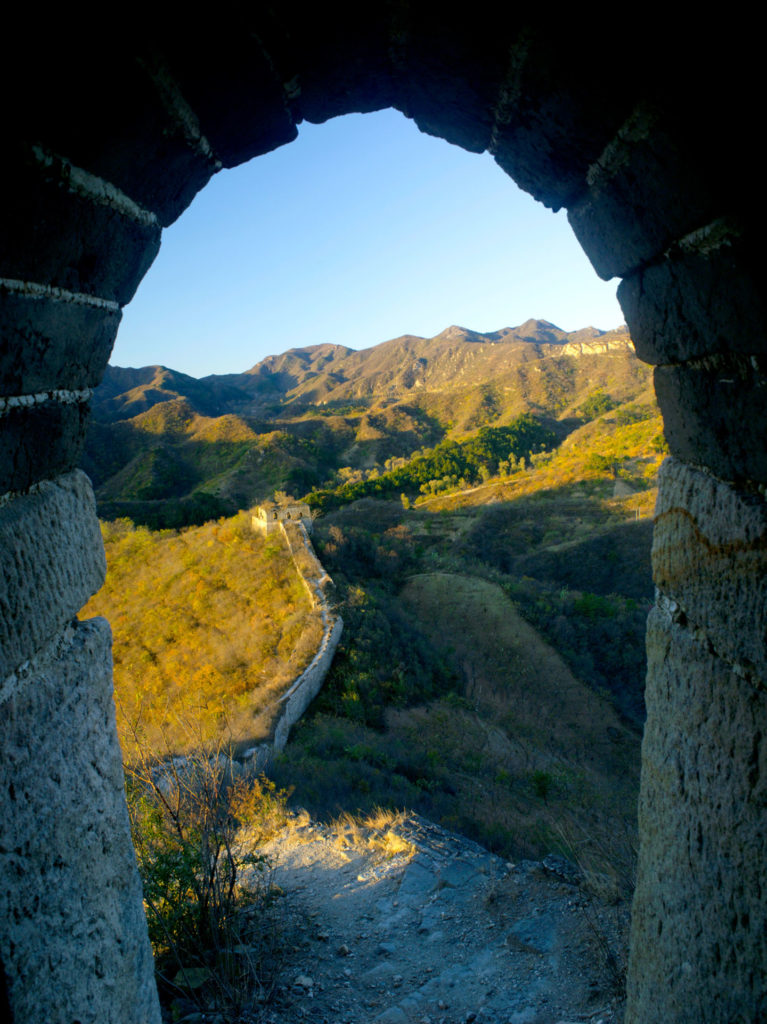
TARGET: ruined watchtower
(268,517)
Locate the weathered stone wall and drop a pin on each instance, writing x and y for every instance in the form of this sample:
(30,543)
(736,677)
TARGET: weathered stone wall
(73,929)
(644,141)
(703,808)
(309,683)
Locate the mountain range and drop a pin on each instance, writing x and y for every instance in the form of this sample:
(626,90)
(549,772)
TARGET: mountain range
(297,420)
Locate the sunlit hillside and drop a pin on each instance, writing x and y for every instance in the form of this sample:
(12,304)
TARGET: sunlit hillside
(168,450)
(491,673)
(209,625)
(486,514)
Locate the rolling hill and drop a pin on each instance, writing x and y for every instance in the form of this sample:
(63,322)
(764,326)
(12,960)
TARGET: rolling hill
(169,450)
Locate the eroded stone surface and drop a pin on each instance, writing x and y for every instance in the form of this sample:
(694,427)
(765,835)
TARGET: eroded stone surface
(699,931)
(51,562)
(551,125)
(73,940)
(48,342)
(234,90)
(127,114)
(57,234)
(632,174)
(40,441)
(715,414)
(710,558)
(702,300)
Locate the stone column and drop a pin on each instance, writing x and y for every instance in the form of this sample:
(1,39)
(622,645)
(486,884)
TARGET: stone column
(73,939)
(699,929)
(699,932)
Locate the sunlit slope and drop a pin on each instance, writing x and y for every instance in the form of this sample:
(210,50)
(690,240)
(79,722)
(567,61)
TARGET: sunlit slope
(613,457)
(315,417)
(210,624)
(508,702)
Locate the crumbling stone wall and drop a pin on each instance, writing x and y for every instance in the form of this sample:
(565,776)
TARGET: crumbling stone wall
(317,583)
(644,139)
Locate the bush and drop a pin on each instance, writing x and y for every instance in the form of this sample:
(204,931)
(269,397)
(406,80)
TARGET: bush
(210,908)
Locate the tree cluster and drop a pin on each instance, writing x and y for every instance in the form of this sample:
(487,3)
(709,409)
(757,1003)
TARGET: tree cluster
(470,461)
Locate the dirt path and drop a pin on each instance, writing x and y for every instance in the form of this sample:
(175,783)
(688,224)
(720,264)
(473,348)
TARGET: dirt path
(416,924)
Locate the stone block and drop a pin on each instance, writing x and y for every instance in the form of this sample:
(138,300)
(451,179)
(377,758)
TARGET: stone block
(351,70)
(333,61)
(699,922)
(39,442)
(709,557)
(48,343)
(715,414)
(232,85)
(54,235)
(455,70)
(642,169)
(697,302)
(556,122)
(100,108)
(51,562)
(73,939)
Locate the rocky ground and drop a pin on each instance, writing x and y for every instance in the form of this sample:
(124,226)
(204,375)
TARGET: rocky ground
(407,922)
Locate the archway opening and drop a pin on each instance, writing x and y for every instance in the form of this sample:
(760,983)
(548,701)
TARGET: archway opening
(381,743)
(653,202)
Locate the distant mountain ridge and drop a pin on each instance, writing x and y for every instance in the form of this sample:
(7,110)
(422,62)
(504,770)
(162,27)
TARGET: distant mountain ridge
(167,448)
(323,374)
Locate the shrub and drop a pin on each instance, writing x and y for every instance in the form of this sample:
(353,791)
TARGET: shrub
(210,907)
(542,782)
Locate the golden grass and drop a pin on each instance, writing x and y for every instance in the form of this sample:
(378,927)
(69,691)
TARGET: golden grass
(629,446)
(375,832)
(210,623)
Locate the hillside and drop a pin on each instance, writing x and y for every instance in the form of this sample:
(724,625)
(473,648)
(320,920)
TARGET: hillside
(169,450)
(492,671)
(209,625)
(494,581)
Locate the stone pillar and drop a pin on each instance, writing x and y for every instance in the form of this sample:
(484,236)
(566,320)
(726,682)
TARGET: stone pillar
(699,933)
(73,940)
(699,930)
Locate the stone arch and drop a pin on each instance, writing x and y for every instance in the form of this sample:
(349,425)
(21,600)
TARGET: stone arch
(106,146)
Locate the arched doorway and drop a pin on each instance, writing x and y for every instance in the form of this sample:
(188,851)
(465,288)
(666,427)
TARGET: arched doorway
(107,145)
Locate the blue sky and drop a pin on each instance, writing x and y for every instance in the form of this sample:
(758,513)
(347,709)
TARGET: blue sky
(359,231)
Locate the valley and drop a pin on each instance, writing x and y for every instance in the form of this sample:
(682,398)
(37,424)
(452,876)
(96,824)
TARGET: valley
(486,505)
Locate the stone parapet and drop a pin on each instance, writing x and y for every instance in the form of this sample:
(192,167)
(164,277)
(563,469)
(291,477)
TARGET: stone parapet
(305,688)
(309,683)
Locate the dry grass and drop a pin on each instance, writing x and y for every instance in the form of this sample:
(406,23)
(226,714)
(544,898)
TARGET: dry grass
(211,623)
(375,832)
(629,445)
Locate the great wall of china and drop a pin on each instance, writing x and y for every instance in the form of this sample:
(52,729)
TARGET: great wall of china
(294,523)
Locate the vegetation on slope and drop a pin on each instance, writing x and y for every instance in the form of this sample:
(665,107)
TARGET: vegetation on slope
(451,464)
(484,740)
(209,625)
(169,451)
(455,710)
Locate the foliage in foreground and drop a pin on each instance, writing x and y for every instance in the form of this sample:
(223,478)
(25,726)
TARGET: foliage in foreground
(210,908)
